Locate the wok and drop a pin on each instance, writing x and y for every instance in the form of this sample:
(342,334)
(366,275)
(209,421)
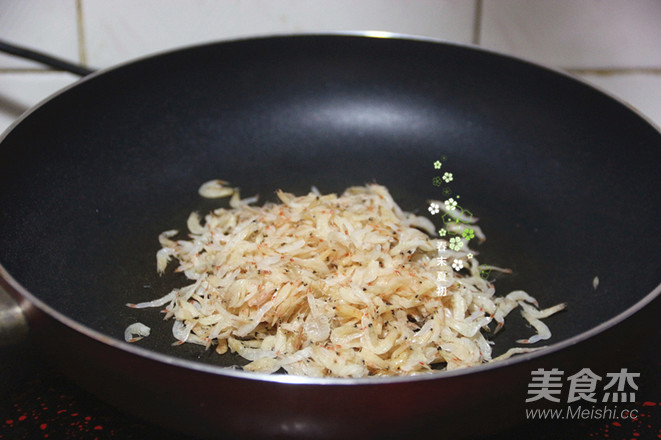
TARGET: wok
(563,177)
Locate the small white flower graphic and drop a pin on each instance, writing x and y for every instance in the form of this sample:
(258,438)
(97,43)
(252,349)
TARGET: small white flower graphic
(457,265)
(434,208)
(450,204)
(469,256)
(456,243)
(437,165)
(442,232)
(447,177)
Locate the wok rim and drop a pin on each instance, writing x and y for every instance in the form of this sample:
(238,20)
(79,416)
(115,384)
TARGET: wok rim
(7,281)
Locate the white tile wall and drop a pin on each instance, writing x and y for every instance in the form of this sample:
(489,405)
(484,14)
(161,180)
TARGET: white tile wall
(614,44)
(124,29)
(46,25)
(576,33)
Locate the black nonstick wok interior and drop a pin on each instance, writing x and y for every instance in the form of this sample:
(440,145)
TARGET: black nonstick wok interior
(564,179)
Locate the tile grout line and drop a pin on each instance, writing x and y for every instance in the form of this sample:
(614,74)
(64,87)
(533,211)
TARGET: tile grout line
(26,70)
(477,23)
(34,70)
(82,50)
(614,71)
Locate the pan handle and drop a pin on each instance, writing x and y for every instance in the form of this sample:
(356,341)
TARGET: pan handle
(13,325)
(43,58)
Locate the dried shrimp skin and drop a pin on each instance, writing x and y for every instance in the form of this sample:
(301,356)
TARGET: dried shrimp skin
(333,285)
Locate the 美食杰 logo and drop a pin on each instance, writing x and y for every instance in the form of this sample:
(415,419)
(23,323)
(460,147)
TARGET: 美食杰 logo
(588,395)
